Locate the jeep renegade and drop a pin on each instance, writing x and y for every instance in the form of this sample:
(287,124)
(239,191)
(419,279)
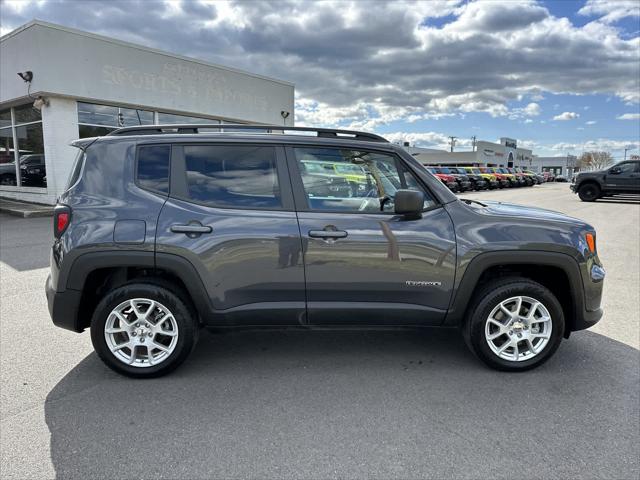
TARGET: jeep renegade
(166,229)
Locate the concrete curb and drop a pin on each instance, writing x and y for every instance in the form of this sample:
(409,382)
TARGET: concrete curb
(25,210)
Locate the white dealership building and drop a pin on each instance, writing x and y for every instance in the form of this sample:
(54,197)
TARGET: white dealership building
(83,85)
(503,154)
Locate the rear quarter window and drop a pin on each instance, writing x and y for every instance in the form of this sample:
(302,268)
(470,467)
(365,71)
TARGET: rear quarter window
(76,170)
(152,171)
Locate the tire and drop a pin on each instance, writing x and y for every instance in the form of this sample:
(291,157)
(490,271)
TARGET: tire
(478,326)
(172,326)
(589,192)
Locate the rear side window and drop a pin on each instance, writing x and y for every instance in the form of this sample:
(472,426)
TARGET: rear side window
(233,176)
(75,171)
(153,167)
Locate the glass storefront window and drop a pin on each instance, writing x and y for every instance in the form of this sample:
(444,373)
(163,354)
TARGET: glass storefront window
(27,114)
(7,158)
(131,117)
(86,131)
(5,118)
(28,149)
(33,172)
(170,118)
(97,114)
(93,115)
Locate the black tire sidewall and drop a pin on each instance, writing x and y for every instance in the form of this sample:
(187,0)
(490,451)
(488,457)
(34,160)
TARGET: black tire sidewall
(187,328)
(489,299)
(584,189)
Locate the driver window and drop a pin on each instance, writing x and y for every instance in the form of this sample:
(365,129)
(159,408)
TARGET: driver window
(353,180)
(624,168)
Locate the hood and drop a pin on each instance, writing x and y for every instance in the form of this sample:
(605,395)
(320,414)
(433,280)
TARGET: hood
(523,211)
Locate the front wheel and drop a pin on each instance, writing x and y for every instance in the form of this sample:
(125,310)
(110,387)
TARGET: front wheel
(143,330)
(589,192)
(514,324)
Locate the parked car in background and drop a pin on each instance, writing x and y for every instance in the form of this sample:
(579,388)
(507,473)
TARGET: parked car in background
(489,178)
(549,176)
(562,178)
(32,170)
(524,180)
(448,180)
(477,181)
(623,177)
(464,184)
(8,173)
(502,179)
(515,181)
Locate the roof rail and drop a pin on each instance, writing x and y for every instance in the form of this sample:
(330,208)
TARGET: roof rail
(278,129)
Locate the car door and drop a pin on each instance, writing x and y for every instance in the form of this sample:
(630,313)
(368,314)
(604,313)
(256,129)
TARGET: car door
(624,176)
(230,213)
(363,263)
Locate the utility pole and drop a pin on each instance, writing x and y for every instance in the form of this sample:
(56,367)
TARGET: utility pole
(452,142)
(625,153)
(473,143)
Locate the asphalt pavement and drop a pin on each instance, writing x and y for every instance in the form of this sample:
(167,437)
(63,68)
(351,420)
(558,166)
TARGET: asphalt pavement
(409,404)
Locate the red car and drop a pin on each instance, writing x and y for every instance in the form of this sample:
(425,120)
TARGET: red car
(448,180)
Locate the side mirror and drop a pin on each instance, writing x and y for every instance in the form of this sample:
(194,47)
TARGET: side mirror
(408,202)
(615,171)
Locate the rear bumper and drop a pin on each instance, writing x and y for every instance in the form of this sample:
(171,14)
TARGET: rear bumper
(63,307)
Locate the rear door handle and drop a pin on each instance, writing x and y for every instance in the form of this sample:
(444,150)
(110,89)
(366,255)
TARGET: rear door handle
(327,233)
(191,229)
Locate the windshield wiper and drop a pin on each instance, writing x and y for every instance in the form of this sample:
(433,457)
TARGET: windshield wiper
(468,201)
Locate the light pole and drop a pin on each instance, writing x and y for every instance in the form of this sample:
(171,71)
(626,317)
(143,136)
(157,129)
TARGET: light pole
(452,142)
(625,153)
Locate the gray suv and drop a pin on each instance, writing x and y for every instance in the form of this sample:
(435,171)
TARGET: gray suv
(166,229)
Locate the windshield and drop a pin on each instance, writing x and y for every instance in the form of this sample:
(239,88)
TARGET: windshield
(444,170)
(475,170)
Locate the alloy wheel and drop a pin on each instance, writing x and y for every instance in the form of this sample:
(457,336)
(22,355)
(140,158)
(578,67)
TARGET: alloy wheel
(141,332)
(518,328)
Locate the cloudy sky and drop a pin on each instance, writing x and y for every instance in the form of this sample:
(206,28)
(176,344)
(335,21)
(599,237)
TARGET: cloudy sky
(559,76)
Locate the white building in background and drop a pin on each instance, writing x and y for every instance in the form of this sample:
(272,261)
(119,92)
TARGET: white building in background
(503,154)
(88,85)
(566,165)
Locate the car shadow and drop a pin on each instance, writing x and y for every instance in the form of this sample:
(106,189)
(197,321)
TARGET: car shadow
(322,404)
(628,199)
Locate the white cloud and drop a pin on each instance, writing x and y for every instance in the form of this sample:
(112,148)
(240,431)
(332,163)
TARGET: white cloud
(426,139)
(591,122)
(567,116)
(611,11)
(629,116)
(600,144)
(370,63)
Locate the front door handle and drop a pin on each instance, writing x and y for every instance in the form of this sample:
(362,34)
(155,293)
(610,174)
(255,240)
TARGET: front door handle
(192,229)
(327,233)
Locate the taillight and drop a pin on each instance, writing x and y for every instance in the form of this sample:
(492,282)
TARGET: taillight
(61,219)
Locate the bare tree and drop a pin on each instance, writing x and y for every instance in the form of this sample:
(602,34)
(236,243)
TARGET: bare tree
(594,160)
(634,157)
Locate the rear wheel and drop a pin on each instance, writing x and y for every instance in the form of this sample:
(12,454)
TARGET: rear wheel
(514,324)
(589,192)
(143,330)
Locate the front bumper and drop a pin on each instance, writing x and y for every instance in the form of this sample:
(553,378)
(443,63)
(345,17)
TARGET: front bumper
(573,187)
(63,306)
(464,185)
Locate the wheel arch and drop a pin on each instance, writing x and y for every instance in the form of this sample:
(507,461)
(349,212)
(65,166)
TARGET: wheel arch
(94,274)
(558,272)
